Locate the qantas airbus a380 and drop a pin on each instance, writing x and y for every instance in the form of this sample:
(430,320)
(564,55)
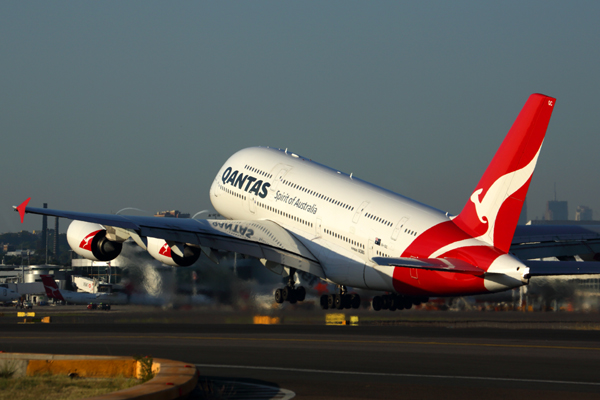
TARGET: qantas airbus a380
(295,214)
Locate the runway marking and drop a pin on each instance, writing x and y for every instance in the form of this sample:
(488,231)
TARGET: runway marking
(388,342)
(398,375)
(255,339)
(245,390)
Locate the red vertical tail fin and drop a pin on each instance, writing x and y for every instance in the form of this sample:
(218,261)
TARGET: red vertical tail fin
(52,290)
(493,210)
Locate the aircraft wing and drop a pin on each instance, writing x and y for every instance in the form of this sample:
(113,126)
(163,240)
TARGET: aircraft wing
(432,264)
(261,239)
(562,241)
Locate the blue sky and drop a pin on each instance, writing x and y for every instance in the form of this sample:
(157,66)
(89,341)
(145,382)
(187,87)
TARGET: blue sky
(106,105)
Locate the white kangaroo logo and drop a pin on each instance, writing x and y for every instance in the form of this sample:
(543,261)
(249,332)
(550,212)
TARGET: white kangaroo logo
(487,208)
(164,250)
(86,241)
(51,289)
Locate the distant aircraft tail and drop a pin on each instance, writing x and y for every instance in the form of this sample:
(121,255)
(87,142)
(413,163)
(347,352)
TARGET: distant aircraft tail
(52,290)
(493,210)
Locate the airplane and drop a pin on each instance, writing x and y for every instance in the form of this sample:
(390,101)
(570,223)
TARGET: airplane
(53,292)
(294,214)
(7,295)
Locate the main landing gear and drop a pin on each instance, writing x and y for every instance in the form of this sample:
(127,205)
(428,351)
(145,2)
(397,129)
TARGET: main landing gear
(341,300)
(395,302)
(289,292)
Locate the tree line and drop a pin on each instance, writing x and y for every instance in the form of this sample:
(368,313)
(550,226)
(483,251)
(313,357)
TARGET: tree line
(26,240)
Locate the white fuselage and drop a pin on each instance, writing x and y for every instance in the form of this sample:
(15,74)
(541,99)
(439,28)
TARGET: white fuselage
(342,220)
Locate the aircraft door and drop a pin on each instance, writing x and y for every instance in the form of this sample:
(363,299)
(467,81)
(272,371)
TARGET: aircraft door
(252,203)
(318,225)
(278,177)
(370,249)
(414,273)
(214,189)
(359,211)
(398,227)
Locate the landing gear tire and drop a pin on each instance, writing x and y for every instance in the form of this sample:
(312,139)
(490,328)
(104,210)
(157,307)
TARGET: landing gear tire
(346,300)
(287,293)
(331,301)
(385,302)
(392,304)
(300,293)
(324,301)
(279,296)
(377,303)
(354,301)
(338,301)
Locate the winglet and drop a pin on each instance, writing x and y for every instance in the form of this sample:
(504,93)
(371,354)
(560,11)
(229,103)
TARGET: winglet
(21,208)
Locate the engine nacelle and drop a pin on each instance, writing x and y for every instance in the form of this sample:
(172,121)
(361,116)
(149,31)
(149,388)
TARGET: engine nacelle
(89,240)
(160,250)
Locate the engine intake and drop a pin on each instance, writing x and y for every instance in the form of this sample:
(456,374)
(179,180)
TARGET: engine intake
(89,240)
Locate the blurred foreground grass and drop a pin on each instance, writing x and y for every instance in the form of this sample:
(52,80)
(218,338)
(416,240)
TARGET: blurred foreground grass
(60,387)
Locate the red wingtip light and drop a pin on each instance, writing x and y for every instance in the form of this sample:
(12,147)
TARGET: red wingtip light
(21,208)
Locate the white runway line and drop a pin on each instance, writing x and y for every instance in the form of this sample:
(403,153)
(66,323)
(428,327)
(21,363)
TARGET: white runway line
(322,371)
(235,390)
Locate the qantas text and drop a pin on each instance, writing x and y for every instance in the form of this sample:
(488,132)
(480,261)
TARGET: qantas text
(245,182)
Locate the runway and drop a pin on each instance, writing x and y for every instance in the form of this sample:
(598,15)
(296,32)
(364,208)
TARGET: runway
(347,362)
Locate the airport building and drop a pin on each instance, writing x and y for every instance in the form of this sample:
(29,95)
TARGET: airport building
(26,279)
(171,214)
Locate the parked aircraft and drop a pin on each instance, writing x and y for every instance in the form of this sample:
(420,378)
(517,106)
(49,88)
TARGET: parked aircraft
(53,292)
(295,214)
(7,295)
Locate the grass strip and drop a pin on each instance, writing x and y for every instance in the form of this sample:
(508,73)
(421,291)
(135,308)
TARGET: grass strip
(60,387)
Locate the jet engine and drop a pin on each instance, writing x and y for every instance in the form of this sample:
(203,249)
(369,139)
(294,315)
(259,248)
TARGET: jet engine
(89,240)
(160,250)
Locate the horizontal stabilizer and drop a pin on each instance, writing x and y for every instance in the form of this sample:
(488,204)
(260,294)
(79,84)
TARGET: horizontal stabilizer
(432,264)
(549,268)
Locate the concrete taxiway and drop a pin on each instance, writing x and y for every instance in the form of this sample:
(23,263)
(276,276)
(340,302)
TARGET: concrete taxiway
(418,359)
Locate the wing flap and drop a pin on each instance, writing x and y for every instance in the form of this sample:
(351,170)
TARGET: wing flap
(432,264)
